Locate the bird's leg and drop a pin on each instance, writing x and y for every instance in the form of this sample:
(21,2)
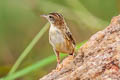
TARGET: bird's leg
(58,57)
(58,60)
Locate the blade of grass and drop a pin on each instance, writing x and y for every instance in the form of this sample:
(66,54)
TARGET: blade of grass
(28,49)
(31,68)
(35,66)
(84,14)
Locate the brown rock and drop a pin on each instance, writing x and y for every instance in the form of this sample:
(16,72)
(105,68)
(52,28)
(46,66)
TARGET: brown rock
(98,59)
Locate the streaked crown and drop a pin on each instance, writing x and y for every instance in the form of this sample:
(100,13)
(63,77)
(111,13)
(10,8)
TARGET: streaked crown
(56,19)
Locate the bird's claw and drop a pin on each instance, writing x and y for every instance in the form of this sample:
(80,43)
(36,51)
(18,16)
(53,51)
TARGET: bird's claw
(59,67)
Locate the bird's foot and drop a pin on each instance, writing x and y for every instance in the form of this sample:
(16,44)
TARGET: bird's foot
(59,67)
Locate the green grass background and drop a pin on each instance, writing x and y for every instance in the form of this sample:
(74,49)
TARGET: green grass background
(24,36)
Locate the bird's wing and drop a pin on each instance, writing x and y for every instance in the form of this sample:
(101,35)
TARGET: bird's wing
(68,35)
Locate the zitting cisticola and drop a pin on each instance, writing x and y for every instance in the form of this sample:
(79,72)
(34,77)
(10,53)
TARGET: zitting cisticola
(60,36)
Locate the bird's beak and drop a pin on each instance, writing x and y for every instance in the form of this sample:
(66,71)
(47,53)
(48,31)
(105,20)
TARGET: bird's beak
(45,16)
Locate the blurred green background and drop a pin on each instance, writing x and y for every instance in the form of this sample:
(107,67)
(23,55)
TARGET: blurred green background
(20,21)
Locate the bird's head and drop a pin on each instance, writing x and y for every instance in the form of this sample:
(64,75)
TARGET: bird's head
(54,19)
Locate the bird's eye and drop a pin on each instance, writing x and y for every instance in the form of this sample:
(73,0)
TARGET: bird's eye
(50,17)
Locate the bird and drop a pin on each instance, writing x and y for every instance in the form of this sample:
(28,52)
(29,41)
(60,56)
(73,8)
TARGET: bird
(60,36)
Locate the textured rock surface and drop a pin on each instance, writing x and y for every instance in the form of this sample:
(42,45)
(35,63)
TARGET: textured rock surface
(98,59)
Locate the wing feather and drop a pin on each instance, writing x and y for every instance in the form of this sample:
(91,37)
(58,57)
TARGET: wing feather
(68,35)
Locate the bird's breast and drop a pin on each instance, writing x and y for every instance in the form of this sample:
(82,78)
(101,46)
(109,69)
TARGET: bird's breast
(58,41)
(56,37)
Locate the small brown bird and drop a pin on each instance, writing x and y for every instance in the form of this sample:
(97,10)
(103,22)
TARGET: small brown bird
(60,36)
